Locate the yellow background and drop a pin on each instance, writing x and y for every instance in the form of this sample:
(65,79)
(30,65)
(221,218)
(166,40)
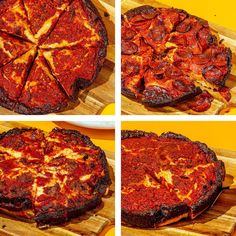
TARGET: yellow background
(218,12)
(214,134)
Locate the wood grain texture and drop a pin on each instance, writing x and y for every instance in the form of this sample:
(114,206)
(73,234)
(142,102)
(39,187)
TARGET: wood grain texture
(101,93)
(130,107)
(219,220)
(92,223)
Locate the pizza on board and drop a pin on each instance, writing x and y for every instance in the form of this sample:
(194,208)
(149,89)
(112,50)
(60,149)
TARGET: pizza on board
(50,177)
(169,56)
(166,178)
(49,51)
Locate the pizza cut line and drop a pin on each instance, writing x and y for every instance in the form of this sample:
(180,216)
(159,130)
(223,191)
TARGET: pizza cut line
(51,177)
(169,56)
(70,41)
(166,178)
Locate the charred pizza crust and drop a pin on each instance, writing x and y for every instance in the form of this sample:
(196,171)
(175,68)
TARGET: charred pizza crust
(50,178)
(185,58)
(173,212)
(90,36)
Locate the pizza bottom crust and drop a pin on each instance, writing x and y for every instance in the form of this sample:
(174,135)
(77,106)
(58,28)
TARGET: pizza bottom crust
(25,215)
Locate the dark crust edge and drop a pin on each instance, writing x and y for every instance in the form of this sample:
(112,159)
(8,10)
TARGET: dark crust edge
(136,134)
(9,203)
(16,131)
(128,93)
(45,109)
(5,101)
(151,219)
(139,10)
(165,102)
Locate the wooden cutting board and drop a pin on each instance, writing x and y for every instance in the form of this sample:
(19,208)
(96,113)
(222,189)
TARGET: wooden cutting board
(92,223)
(101,93)
(130,107)
(219,220)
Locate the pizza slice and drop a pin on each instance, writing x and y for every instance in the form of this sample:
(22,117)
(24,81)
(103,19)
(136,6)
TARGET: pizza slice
(73,155)
(72,74)
(11,48)
(43,15)
(13,76)
(50,200)
(13,19)
(165,89)
(41,93)
(88,29)
(16,188)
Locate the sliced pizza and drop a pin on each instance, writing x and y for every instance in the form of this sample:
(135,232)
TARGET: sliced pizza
(13,19)
(166,178)
(41,93)
(43,15)
(88,29)
(13,76)
(72,74)
(11,48)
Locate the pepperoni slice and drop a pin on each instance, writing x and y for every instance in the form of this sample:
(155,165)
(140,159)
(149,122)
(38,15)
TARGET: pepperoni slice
(202,102)
(212,74)
(183,27)
(128,47)
(225,93)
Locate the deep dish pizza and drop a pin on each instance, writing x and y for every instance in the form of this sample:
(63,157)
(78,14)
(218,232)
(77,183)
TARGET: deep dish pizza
(166,178)
(49,50)
(50,177)
(169,56)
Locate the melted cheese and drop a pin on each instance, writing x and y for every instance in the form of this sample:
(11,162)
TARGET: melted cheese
(67,152)
(183,197)
(190,171)
(166,174)
(63,43)
(3,48)
(148,183)
(46,26)
(85,177)
(11,152)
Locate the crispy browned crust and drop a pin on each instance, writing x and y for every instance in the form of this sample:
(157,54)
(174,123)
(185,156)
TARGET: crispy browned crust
(80,83)
(15,131)
(5,101)
(45,109)
(165,101)
(171,214)
(19,206)
(140,10)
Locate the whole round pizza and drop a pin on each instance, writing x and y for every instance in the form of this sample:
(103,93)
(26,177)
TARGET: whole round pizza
(169,56)
(50,177)
(166,178)
(49,50)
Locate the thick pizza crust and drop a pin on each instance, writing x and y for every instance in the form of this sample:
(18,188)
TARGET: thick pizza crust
(170,214)
(44,217)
